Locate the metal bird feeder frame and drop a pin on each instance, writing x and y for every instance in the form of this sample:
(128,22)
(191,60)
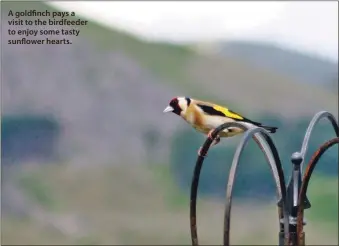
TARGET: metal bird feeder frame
(291,199)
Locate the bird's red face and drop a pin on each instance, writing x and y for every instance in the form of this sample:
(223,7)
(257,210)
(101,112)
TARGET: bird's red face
(177,105)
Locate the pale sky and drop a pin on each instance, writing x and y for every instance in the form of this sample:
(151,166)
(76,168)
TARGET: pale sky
(308,26)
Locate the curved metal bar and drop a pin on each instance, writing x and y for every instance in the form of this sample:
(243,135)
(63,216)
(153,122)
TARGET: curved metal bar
(196,176)
(270,159)
(227,217)
(307,176)
(194,191)
(198,166)
(316,118)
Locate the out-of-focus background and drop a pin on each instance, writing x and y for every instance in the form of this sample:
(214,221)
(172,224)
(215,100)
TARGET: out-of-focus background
(88,157)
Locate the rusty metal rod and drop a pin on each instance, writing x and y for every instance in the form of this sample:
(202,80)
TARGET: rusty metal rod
(316,118)
(306,178)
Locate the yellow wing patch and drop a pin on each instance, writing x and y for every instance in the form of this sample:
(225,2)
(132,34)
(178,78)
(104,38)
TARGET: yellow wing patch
(228,113)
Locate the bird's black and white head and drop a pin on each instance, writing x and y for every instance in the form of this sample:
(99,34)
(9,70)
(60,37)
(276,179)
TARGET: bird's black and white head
(178,105)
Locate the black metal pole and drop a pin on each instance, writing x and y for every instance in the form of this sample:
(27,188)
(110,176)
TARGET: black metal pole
(292,197)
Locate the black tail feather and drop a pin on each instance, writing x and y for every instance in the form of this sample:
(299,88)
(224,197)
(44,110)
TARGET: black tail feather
(271,129)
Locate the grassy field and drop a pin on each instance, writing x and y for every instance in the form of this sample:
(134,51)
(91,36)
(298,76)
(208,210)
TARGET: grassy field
(133,205)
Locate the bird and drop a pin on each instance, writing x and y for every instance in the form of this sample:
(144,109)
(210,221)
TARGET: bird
(206,116)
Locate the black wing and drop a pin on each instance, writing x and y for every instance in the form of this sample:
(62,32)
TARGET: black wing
(211,111)
(214,112)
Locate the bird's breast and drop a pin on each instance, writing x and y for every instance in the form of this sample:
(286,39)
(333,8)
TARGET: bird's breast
(189,116)
(196,121)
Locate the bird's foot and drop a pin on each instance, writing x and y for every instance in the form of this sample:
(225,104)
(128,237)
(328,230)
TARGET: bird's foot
(215,141)
(210,134)
(200,154)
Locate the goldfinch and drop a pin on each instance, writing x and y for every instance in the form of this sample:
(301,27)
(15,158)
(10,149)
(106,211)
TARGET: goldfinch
(206,116)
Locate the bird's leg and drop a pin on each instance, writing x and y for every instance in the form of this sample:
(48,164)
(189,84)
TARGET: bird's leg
(210,134)
(215,142)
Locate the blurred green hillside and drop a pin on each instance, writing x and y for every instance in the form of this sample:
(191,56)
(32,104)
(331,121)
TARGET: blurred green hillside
(115,170)
(284,61)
